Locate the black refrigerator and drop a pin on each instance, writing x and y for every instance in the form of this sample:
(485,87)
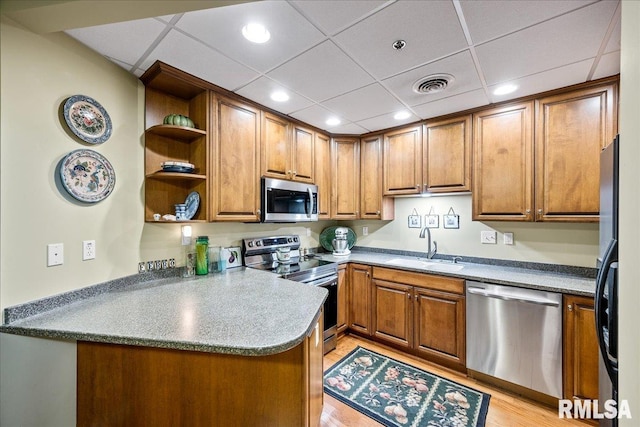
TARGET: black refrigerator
(606,299)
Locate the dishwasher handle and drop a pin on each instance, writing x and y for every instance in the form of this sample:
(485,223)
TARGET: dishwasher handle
(497,295)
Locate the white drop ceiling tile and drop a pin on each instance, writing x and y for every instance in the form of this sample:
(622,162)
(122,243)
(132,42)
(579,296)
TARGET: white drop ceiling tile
(369,101)
(431,30)
(347,129)
(554,44)
(453,104)
(321,73)
(614,40)
(386,121)
(191,56)
(460,66)
(333,15)
(489,19)
(547,80)
(221,28)
(316,115)
(609,65)
(260,91)
(124,41)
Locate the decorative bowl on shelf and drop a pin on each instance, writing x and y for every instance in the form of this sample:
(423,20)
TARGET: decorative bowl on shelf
(178,120)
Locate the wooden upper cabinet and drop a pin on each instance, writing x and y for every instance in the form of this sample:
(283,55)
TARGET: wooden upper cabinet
(345,170)
(286,150)
(571,130)
(302,154)
(503,163)
(275,147)
(236,162)
(322,166)
(373,205)
(403,161)
(447,155)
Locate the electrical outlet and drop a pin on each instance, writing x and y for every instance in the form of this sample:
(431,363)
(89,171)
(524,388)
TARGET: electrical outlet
(508,238)
(88,249)
(365,231)
(308,232)
(55,254)
(488,237)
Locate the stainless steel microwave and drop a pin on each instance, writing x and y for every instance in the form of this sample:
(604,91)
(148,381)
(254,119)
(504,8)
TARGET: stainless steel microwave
(288,201)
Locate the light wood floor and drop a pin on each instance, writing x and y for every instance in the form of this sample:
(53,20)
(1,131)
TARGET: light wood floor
(505,409)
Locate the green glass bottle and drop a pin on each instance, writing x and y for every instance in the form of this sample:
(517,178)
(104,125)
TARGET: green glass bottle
(202,256)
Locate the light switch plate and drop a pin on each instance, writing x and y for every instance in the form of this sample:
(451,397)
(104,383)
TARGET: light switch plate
(508,238)
(365,231)
(488,237)
(55,254)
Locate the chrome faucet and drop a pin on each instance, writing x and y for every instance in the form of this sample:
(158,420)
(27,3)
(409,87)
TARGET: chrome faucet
(430,253)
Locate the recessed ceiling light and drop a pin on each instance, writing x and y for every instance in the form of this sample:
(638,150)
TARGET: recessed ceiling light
(401,115)
(256,33)
(280,96)
(333,121)
(505,89)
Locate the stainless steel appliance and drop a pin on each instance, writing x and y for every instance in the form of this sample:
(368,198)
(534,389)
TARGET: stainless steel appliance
(606,299)
(265,253)
(340,243)
(288,201)
(515,334)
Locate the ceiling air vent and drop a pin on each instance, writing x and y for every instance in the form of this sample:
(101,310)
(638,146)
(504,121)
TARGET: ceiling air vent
(433,84)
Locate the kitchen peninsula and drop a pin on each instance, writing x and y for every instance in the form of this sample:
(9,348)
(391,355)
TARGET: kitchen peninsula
(239,348)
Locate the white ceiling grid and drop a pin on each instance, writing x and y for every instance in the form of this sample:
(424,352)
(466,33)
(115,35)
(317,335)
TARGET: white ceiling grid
(335,58)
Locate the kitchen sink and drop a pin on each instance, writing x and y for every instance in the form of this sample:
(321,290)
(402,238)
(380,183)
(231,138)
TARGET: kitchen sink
(435,265)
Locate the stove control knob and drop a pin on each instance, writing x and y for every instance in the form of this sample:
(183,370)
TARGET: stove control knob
(289,240)
(259,243)
(250,244)
(295,239)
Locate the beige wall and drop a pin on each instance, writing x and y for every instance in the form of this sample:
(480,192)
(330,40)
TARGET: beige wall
(629,292)
(569,244)
(38,73)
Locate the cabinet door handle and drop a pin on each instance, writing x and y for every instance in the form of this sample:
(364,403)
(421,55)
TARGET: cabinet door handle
(570,307)
(258,212)
(377,212)
(295,173)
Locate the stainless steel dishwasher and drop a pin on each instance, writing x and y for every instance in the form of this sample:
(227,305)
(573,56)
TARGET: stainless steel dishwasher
(515,334)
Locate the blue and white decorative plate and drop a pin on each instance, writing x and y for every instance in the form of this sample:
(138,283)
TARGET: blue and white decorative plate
(87,119)
(192,202)
(87,175)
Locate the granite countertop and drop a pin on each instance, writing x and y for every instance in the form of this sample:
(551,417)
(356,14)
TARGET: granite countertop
(242,311)
(551,279)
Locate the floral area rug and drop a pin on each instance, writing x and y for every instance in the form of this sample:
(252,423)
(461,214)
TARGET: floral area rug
(396,394)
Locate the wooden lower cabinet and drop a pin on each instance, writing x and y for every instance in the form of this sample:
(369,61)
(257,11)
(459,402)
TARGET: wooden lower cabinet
(580,348)
(360,298)
(393,312)
(440,327)
(343,299)
(121,385)
(422,313)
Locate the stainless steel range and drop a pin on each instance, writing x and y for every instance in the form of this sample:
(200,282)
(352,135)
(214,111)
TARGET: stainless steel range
(281,255)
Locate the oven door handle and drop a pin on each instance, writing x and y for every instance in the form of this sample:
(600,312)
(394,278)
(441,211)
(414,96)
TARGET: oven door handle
(324,281)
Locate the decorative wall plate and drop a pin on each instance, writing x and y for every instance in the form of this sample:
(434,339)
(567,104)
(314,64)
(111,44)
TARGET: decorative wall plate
(192,202)
(87,119)
(87,175)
